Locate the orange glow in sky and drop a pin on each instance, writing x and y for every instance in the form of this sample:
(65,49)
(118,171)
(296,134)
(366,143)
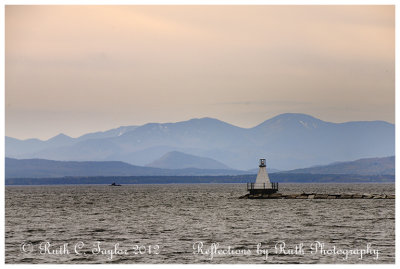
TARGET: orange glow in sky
(77,69)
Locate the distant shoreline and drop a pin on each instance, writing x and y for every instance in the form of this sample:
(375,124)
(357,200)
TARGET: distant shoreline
(148,184)
(239,179)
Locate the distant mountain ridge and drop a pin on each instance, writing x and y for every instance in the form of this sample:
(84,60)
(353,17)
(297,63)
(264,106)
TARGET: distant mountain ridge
(287,141)
(369,166)
(41,168)
(179,160)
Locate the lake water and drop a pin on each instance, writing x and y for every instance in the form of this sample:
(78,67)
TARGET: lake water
(199,223)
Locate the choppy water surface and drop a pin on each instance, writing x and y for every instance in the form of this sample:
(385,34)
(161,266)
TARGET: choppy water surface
(184,224)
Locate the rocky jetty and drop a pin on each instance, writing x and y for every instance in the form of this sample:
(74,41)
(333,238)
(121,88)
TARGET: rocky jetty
(318,196)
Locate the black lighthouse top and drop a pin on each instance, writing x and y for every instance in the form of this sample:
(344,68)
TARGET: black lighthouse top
(262,163)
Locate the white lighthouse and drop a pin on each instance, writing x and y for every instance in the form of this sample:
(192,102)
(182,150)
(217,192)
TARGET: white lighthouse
(262,180)
(262,185)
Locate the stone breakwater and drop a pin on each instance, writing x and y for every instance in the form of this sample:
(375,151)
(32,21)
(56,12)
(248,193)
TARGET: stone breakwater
(318,196)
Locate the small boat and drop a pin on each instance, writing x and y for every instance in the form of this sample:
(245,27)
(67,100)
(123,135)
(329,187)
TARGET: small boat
(114,184)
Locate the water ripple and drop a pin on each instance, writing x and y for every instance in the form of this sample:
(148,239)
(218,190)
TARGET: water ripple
(176,216)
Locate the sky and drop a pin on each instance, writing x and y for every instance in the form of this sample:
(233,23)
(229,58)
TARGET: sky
(80,69)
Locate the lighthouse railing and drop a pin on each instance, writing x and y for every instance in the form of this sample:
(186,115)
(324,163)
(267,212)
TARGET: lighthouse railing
(252,186)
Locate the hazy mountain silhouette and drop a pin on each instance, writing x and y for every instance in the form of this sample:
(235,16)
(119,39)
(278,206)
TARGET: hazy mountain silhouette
(109,133)
(369,166)
(375,168)
(287,141)
(179,160)
(41,168)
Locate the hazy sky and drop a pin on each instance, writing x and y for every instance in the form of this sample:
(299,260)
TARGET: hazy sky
(77,69)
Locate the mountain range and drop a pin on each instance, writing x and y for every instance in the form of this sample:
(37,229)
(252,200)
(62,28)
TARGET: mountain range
(369,166)
(40,168)
(287,141)
(179,160)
